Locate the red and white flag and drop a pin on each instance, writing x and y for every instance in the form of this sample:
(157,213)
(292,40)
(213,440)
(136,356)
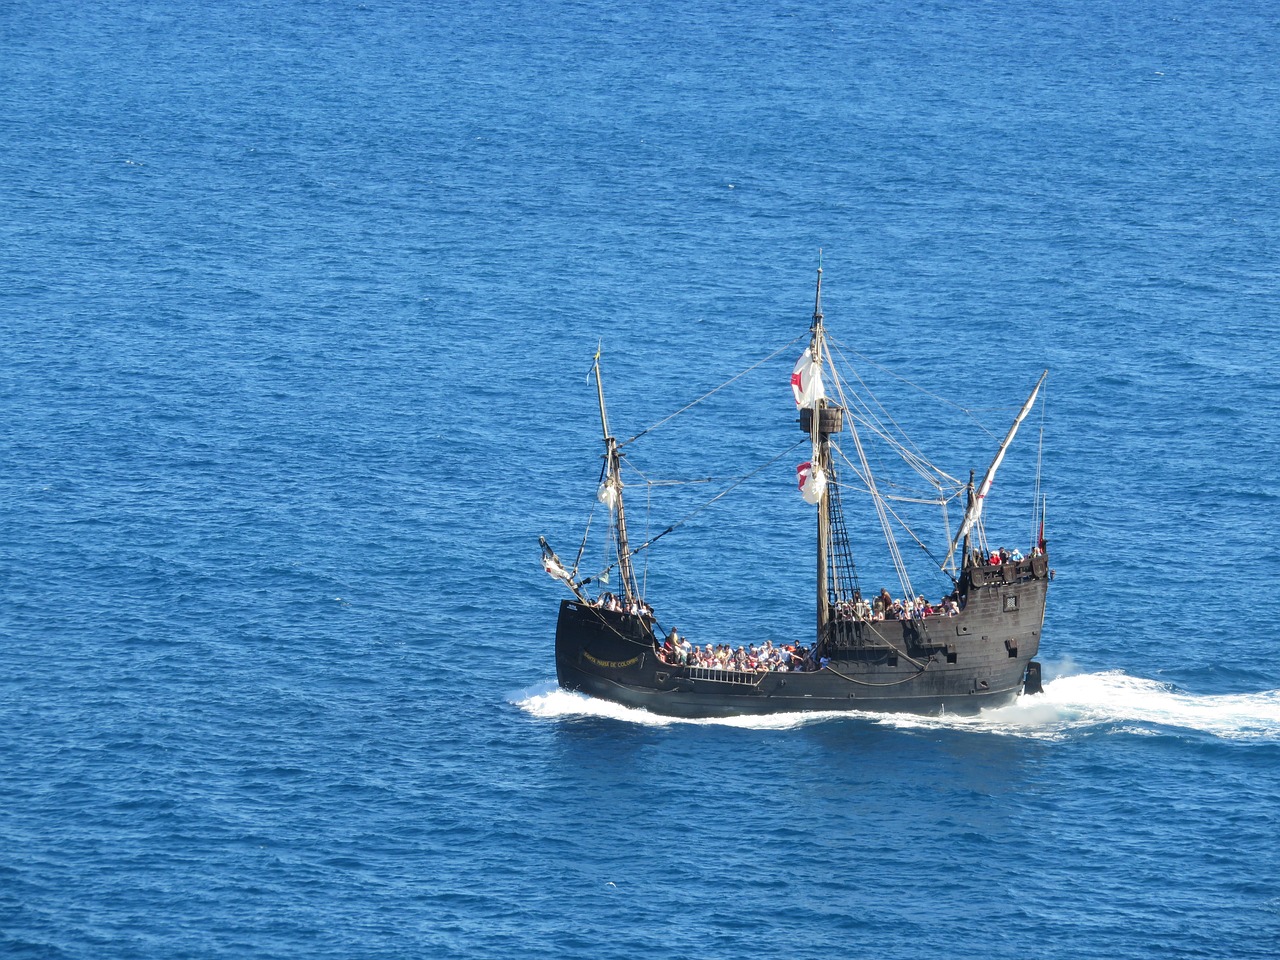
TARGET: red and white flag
(812,482)
(806,381)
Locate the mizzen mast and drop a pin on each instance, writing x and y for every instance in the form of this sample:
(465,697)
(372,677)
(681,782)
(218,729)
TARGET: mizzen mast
(973,509)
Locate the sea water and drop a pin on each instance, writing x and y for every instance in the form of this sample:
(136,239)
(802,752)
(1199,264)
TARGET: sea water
(299,304)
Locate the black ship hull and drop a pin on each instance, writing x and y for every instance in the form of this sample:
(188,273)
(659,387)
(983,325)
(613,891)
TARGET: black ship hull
(960,664)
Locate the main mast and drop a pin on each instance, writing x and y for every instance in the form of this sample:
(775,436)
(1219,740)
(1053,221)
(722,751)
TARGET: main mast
(821,460)
(611,490)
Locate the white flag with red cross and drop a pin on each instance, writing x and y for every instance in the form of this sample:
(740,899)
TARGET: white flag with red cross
(806,381)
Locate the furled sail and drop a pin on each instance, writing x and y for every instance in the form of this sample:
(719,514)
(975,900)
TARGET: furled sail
(607,493)
(806,381)
(812,482)
(806,387)
(555,569)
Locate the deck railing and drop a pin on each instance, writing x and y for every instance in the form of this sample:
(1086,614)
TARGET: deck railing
(723,676)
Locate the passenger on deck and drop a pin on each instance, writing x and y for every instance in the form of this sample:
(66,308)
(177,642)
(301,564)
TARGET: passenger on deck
(861,609)
(667,652)
(884,600)
(749,658)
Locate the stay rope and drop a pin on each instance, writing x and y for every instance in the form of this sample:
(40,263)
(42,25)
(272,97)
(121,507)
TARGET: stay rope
(714,390)
(970,412)
(685,519)
(1037,506)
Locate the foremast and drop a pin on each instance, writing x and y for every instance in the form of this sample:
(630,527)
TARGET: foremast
(610,493)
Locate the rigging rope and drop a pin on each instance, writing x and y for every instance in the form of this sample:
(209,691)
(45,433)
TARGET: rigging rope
(1037,506)
(868,683)
(911,455)
(909,532)
(876,499)
(737,483)
(582,549)
(902,523)
(586,533)
(967,411)
(694,403)
(685,519)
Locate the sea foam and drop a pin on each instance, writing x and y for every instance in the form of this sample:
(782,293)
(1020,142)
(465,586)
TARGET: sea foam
(1069,705)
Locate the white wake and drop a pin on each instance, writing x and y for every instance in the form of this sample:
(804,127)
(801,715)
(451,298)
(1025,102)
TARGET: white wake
(1110,701)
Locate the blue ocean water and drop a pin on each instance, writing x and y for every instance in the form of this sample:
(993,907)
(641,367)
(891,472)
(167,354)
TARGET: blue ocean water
(298,305)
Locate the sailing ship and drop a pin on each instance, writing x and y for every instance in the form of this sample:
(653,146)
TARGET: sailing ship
(974,649)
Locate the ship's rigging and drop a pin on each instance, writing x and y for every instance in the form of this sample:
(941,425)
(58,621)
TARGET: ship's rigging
(834,406)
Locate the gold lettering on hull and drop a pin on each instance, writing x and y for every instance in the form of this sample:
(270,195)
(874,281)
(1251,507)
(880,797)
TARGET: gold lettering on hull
(614,664)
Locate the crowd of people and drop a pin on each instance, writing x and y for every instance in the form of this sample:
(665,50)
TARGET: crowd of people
(785,658)
(678,651)
(885,607)
(997,557)
(637,607)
